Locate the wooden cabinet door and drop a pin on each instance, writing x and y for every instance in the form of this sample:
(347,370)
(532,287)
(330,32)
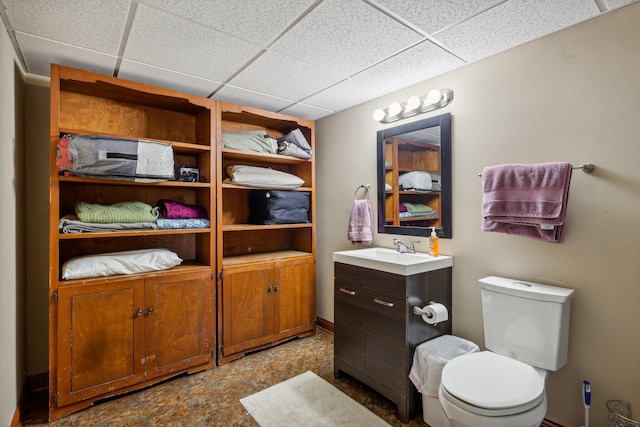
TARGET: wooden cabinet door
(100,338)
(294,289)
(385,338)
(247,293)
(349,323)
(179,319)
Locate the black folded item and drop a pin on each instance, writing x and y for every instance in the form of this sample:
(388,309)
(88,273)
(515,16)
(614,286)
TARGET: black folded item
(279,207)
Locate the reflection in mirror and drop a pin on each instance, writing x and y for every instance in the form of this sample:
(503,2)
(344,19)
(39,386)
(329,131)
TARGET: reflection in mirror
(414,178)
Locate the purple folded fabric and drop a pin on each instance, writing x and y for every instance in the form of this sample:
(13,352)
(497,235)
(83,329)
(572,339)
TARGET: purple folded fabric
(526,200)
(171,209)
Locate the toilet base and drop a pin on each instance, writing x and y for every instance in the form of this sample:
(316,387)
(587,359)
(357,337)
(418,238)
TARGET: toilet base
(432,412)
(459,417)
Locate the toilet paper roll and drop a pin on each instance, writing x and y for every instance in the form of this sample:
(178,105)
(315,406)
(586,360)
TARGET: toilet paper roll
(435,313)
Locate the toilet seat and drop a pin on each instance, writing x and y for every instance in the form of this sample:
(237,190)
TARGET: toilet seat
(490,384)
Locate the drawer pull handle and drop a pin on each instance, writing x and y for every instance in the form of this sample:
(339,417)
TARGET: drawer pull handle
(382,302)
(347,291)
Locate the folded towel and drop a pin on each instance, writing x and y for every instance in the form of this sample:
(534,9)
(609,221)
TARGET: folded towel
(526,200)
(169,224)
(172,209)
(118,212)
(416,207)
(361,223)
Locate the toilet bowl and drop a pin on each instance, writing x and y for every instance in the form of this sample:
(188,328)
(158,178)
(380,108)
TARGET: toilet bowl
(526,328)
(490,390)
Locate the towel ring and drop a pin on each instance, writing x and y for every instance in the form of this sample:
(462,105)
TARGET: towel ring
(366,187)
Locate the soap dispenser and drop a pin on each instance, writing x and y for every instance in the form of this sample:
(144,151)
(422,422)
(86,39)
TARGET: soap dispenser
(433,243)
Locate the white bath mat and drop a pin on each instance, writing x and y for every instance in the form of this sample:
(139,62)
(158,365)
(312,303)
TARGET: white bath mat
(308,400)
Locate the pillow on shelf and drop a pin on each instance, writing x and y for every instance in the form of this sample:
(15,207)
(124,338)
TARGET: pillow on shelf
(253,176)
(125,262)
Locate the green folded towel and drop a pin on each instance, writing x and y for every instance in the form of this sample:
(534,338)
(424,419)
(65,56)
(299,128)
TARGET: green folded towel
(123,212)
(417,207)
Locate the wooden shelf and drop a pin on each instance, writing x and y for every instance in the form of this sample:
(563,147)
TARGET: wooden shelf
(178,146)
(263,257)
(420,218)
(245,187)
(137,233)
(102,181)
(255,227)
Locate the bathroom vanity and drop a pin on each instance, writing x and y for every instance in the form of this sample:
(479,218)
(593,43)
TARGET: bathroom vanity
(376,331)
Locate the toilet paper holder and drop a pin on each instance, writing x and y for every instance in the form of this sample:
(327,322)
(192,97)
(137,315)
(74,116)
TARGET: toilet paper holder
(421,312)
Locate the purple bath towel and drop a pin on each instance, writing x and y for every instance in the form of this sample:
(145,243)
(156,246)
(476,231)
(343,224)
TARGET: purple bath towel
(361,223)
(526,200)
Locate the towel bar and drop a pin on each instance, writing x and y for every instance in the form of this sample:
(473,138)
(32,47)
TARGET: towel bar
(586,168)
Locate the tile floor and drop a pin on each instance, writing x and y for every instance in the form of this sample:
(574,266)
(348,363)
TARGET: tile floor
(212,398)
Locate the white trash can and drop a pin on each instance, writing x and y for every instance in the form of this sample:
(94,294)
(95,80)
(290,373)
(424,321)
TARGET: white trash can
(426,371)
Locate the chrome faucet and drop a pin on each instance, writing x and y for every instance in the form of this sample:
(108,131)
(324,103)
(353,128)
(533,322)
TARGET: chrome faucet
(403,248)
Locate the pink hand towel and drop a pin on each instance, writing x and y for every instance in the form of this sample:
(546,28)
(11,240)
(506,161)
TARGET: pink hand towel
(361,222)
(526,200)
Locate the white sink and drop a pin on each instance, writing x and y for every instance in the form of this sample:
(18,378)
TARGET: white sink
(392,261)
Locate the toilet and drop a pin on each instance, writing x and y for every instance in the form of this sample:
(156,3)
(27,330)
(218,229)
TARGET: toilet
(526,328)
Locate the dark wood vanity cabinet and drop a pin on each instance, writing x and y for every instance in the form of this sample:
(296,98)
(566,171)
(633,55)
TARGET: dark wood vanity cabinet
(376,331)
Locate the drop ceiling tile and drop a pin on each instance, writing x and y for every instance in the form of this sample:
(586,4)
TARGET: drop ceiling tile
(166,41)
(92,24)
(306,111)
(345,94)
(284,77)
(258,21)
(436,14)
(40,53)
(345,36)
(412,66)
(249,98)
(161,77)
(513,23)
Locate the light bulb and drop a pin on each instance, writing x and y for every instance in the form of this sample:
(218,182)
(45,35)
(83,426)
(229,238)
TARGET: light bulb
(379,115)
(433,97)
(394,109)
(412,104)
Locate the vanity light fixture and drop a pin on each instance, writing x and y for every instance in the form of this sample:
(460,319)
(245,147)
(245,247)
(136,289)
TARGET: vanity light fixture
(435,99)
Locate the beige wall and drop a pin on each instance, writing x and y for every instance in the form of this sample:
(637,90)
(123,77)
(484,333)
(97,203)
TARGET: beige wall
(572,96)
(12,287)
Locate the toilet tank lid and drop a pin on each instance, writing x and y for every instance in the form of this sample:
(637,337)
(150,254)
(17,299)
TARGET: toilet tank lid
(525,289)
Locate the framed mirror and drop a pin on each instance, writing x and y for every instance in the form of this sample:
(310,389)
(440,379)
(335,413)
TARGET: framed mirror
(414,178)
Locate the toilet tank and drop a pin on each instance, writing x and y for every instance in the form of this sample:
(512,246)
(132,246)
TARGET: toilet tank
(526,321)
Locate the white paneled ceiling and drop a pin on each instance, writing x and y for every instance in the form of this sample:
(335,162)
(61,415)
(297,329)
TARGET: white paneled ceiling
(308,58)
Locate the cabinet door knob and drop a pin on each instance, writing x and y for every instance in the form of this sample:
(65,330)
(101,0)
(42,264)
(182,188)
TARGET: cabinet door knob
(277,288)
(270,288)
(382,302)
(139,313)
(150,310)
(347,291)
